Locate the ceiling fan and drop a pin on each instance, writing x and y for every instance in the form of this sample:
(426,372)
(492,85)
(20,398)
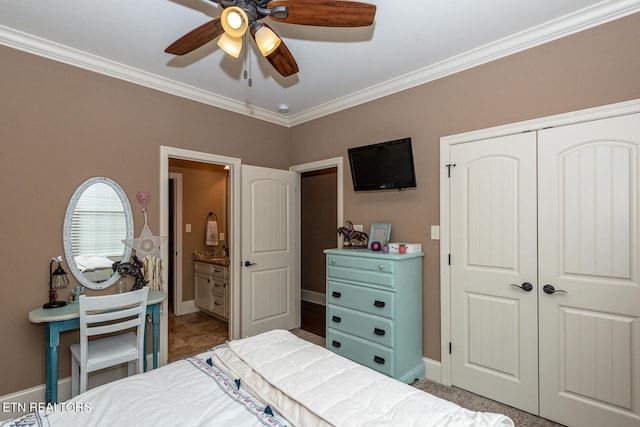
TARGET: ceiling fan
(238,16)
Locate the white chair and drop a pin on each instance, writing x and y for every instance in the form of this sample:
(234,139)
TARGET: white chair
(106,315)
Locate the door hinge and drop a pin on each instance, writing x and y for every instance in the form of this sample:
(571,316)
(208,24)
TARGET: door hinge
(449,259)
(449,166)
(449,347)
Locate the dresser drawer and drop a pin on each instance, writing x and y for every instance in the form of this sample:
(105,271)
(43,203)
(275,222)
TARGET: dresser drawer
(368,354)
(372,328)
(371,271)
(373,301)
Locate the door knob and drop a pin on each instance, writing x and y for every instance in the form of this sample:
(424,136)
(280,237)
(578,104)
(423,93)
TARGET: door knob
(526,286)
(549,289)
(249,264)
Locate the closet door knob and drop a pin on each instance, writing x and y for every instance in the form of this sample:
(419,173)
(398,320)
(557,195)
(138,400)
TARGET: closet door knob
(549,289)
(526,286)
(249,263)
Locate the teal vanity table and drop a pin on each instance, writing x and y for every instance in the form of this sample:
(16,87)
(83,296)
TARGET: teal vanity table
(66,318)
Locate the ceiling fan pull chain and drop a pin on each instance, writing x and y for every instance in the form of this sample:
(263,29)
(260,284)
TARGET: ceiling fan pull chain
(248,57)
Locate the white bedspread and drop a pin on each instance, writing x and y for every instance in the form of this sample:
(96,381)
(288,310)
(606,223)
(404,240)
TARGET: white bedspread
(184,393)
(273,379)
(335,389)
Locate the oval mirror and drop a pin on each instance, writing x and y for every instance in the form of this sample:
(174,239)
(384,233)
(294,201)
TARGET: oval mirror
(98,218)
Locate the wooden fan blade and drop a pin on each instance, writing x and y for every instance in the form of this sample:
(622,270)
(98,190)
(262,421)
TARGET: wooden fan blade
(326,13)
(196,38)
(281,59)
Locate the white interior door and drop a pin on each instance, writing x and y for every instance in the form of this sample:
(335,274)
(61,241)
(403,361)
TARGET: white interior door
(270,289)
(494,269)
(589,232)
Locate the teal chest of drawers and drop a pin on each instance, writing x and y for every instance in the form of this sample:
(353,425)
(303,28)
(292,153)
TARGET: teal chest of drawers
(374,310)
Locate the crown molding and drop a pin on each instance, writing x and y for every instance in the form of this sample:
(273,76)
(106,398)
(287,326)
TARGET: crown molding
(584,19)
(67,55)
(598,14)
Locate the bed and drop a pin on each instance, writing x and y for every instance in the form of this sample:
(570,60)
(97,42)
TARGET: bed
(95,268)
(272,379)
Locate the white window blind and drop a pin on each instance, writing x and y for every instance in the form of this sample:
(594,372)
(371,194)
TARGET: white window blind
(98,224)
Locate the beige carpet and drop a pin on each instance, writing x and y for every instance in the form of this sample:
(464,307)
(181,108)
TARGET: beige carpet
(462,397)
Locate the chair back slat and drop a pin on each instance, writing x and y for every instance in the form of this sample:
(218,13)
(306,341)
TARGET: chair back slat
(113,327)
(107,316)
(112,313)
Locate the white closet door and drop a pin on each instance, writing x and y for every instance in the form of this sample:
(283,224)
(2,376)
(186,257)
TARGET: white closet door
(494,325)
(588,251)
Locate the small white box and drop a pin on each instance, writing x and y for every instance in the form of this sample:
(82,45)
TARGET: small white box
(411,247)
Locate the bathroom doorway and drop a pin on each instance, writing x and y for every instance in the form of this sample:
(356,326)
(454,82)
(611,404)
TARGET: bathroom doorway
(198,192)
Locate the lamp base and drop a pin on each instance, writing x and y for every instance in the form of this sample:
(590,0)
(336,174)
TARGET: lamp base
(54,304)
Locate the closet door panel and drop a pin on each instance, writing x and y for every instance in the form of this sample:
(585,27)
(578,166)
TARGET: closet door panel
(493,246)
(588,181)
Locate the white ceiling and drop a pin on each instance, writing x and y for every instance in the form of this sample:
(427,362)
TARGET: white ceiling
(410,43)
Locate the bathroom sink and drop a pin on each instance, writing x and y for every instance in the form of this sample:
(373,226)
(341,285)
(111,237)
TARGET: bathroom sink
(209,258)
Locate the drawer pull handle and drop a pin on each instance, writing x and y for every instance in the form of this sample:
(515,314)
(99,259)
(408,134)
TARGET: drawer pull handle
(336,294)
(378,359)
(381,267)
(336,319)
(333,261)
(379,303)
(379,331)
(336,344)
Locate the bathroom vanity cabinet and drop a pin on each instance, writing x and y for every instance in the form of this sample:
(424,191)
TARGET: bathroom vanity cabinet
(211,283)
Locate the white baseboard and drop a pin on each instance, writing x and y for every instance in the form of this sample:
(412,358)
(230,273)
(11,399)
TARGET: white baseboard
(432,370)
(187,307)
(313,297)
(16,404)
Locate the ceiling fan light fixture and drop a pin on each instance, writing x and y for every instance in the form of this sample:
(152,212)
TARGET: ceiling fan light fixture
(234,21)
(230,45)
(267,40)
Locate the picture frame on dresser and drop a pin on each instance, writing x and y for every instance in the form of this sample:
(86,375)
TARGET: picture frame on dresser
(380,232)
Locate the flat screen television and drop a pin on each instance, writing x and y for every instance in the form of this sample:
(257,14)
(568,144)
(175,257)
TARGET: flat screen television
(383,166)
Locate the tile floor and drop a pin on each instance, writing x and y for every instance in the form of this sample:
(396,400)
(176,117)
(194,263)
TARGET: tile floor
(194,333)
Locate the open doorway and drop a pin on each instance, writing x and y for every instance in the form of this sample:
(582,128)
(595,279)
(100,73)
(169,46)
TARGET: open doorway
(186,205)
(320,215)
(198,231)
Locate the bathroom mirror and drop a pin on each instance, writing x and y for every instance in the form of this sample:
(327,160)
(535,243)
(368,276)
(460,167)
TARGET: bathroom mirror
(98,218)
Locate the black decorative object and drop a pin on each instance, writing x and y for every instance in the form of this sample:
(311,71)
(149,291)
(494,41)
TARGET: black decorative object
(132,268)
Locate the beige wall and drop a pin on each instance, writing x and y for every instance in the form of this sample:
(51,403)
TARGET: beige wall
(599,66)
(60,125)
(204,190)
